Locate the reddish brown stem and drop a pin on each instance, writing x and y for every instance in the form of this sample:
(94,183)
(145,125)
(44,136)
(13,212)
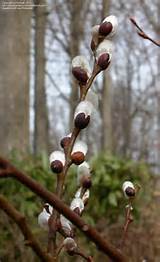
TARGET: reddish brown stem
(128,220)
(63,209)
(81,254)
(142,34)
(61,177)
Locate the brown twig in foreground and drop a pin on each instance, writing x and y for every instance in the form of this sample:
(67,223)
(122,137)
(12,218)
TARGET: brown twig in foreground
(22,224)
(142,34)
(81,254)
(103,245)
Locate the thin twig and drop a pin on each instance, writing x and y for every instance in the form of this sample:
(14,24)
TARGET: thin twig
(63,209)
(20,220)
(142,34)
(81,254)
(128,220)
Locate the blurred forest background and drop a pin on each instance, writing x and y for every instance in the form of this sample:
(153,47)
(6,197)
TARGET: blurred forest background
(37,101)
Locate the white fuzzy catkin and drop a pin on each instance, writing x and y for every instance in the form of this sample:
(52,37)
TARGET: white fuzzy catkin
(106,46)
(81,61)
(95,33)
(114,21)
(85,107)
(69,244)
(80,146)
(95,30)
(86,196)
(57,155)
(93,98)
(43,219)
(127,184)
(77,203)
(83,170)
(66,224)
(78,193)
(49,207)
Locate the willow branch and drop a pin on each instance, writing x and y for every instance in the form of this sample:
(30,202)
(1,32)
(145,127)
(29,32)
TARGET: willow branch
(142,34)
(53,221)
(20,220)
(103,245)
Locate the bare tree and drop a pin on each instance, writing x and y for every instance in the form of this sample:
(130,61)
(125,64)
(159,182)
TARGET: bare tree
(41,128)
(14,79)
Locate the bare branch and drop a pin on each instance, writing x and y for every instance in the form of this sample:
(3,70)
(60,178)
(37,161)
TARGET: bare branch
(149,14)
(142,34)
(20,220)
(63,209)
(56,86)
(61,42)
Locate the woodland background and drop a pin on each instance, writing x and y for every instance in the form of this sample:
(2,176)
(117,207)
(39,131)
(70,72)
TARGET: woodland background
(37,101)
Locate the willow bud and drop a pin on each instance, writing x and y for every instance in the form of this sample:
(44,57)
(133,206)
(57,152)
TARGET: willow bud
(84,174)
(77,205)
(86,182)
(57,161)
(65,141)
(84,197)
(105,28)
(128,189)
(78,153)
(104,54)
(81,69)
(43,219)
(70,245)
(82,114)
(108,27)
(66,225)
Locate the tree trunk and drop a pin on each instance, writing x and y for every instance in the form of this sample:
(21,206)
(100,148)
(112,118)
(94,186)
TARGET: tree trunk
(14,79)
(41,141)
(106,139)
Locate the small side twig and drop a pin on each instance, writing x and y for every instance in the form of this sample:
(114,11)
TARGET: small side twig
(128,220)
(142,34)
(20,220)
(81,254)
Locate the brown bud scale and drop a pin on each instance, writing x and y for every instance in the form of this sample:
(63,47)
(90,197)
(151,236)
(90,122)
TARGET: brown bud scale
(57,166)
(130,192)
(86,182)
(65,141)
(81,121)
(77,158)
(105,28)
(103,61)
(80,74)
